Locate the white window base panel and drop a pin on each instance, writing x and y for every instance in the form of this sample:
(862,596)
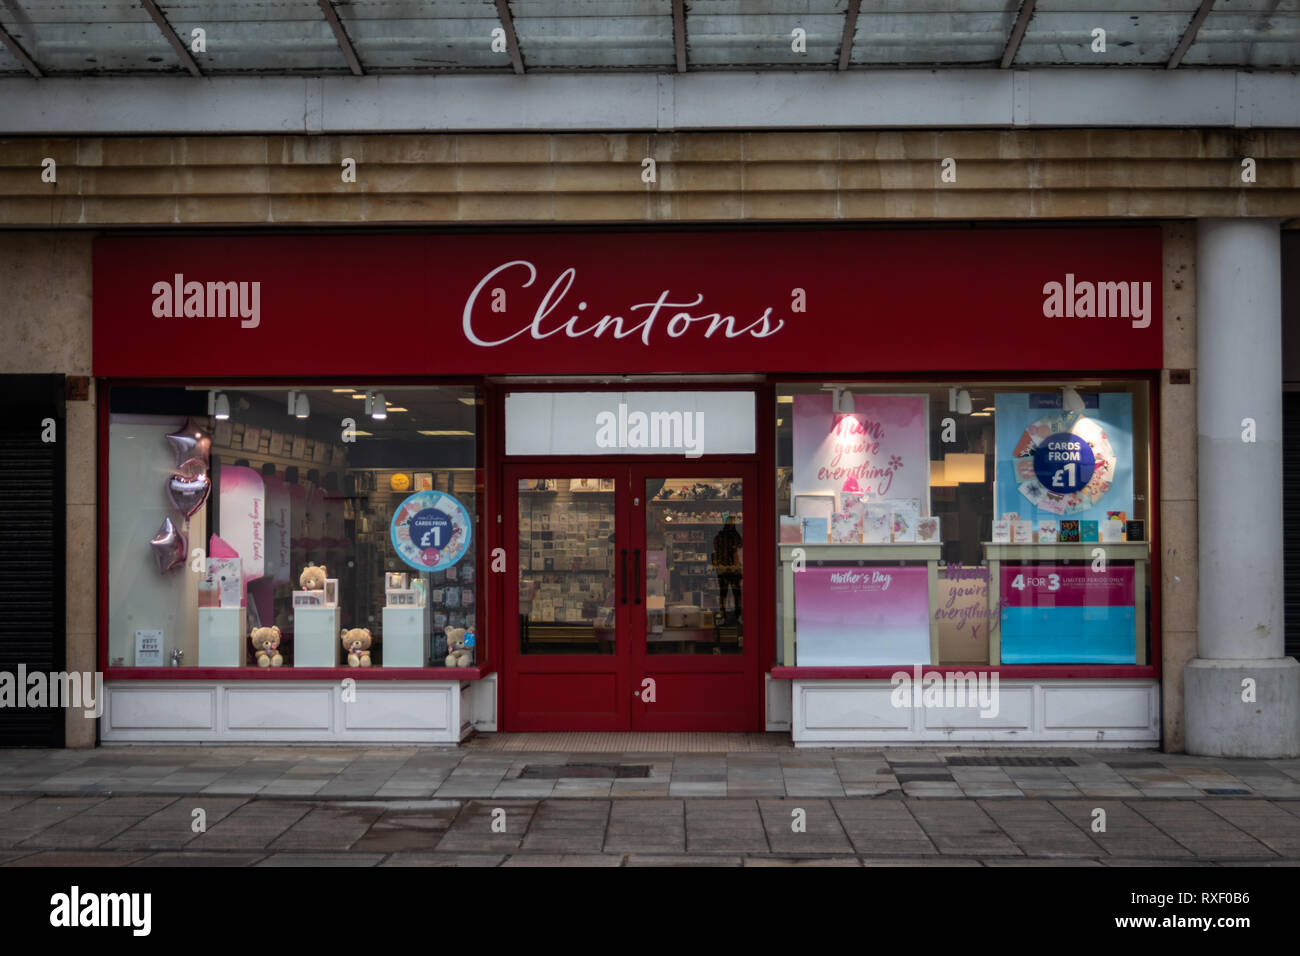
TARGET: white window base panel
(776,697)
(295,711)
(1092,713)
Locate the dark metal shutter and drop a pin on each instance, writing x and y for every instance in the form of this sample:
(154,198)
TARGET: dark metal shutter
(1291,518)
(32,528)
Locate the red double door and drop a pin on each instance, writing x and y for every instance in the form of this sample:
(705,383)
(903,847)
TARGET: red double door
(632,601)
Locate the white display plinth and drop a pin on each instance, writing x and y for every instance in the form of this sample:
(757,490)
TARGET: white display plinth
(223,636)
(406,639)
(317,637)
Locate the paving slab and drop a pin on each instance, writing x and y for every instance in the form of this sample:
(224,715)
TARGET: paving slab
(78,858)
(443,859)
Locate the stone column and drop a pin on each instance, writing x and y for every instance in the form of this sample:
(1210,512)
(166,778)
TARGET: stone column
(1242,695)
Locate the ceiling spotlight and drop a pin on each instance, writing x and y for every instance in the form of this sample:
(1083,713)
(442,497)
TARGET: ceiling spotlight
(1071,400)
(376,407)
(219,406)
(299,407)
(959,401)
(846,404)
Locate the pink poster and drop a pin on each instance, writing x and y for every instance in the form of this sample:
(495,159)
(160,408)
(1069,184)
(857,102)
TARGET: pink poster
(243,517)
(1063,585)
(862,616)
(278,528)
(882,449)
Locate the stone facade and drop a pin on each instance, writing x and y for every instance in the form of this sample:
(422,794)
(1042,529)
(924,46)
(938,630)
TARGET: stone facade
(441,180)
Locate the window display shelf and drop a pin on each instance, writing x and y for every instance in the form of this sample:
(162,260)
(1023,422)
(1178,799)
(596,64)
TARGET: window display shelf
(863,552)
(1066,551)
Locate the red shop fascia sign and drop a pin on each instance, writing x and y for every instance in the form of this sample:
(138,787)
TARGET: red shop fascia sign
(630,302)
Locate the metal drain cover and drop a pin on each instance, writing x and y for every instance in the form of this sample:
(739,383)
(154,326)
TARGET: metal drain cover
(1011,762)
(594,771)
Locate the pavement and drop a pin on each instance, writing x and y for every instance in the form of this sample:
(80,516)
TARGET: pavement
(232,805)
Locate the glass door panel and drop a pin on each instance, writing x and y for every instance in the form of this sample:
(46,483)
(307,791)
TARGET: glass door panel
(694,565)
(569,566)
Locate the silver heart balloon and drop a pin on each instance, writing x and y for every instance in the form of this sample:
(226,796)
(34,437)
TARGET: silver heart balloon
(169,546)
(193,441)
(188,487)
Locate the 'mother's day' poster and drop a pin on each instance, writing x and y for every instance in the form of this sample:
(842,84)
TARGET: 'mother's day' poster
(847,616)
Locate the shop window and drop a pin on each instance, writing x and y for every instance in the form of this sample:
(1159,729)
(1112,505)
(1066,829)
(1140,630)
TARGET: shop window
(268,528)
(963,523)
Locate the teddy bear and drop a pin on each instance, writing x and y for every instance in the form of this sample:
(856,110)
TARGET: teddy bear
(266,642)
(460,646)
(312,578)
(356,642)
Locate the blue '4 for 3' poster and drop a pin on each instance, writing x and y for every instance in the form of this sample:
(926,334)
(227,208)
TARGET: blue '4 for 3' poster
(1053,463)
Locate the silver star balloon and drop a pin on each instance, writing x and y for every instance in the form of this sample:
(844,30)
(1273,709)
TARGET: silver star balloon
(169,546)
(192,441)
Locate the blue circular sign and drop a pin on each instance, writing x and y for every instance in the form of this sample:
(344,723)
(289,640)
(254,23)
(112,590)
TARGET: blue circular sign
(431,530)
(1064,463)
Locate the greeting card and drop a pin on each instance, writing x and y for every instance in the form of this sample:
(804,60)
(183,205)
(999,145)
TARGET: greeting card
(1022,532)
(816,530)
(791,530)
(878,524)
(907,511)
(1070,530)
(846,527)
(1112,531)
(1002,532)
(1088,531)
(928,529)
(1048,531)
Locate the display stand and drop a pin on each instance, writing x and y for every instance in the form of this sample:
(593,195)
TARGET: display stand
(854,555)
(1126,551)
(223,636)
(406,637)
(316,637)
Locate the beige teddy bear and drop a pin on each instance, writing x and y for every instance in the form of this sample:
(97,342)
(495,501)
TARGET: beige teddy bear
(459,653)
(266,642)
(312,578)
(356,642)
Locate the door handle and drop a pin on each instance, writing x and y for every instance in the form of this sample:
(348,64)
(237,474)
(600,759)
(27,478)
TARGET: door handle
(624,575)
(636,578)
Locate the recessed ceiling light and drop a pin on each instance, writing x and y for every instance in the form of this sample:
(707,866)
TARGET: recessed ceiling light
(468,401)
(342,391)
(785,399)
(445,432)
(981,414)
(363,434)
(396,408)
(357,395)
